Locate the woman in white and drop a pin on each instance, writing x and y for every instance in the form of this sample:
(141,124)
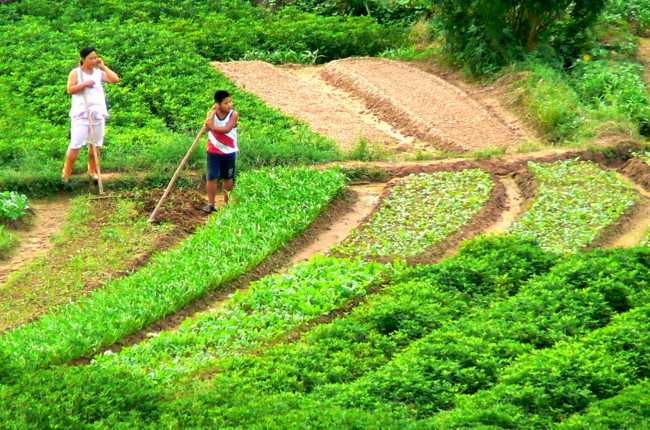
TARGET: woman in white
(89,77)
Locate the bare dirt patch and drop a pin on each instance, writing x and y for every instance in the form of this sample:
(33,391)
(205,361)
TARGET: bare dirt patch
(60,278)
(644,57)
(421,104)
(49,217)
(394,104)
(331,114)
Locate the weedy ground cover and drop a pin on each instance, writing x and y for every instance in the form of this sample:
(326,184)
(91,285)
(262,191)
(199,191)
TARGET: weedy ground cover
(420,211)
(7,242)
(575,201)
(13,214)
(99,240)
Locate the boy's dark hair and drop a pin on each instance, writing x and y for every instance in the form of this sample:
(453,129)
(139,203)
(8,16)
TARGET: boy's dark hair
(87,51)
(221,95)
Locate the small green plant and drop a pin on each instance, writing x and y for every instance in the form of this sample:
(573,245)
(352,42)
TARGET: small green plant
(364,151)
(7,242)
(13,205)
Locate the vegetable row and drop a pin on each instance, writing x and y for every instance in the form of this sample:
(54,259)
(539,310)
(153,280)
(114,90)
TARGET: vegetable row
(273,205)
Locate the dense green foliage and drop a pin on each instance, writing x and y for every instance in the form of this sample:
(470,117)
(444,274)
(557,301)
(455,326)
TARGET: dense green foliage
(490,34)
(635,13)
(503,334)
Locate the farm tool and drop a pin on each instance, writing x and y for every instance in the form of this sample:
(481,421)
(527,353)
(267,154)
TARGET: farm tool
(152,217)
(93,147)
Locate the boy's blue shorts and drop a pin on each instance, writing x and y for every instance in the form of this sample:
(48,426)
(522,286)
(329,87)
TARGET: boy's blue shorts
(221,166)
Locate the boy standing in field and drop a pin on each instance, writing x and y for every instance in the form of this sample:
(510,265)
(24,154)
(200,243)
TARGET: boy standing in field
(221,123)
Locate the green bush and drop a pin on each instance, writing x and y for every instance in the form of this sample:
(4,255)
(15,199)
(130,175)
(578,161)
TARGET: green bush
(77,397)
(630,409)
(486,35)
(255,33)
(13,205)
(468,354)
(603,84)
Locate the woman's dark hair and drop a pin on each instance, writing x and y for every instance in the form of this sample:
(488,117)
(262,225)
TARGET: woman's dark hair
(221,95)
(86,52)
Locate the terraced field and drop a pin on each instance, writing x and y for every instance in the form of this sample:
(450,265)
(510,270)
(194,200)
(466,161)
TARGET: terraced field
(509,292)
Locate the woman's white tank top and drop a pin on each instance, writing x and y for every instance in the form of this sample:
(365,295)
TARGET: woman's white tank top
(95,95)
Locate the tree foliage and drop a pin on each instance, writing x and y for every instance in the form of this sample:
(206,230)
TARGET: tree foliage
(496,31)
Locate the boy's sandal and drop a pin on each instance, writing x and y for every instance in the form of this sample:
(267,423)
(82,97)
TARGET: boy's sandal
(209,209)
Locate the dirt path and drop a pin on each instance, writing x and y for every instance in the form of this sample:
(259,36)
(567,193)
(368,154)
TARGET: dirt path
(512,208)
(369,196)
(644,58)
(389,103)
(50,216)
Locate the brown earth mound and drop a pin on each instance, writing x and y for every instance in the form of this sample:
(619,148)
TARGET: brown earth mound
(390,103)
(421,104)
(326,112)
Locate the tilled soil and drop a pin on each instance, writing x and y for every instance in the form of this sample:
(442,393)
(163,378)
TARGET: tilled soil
(394,104)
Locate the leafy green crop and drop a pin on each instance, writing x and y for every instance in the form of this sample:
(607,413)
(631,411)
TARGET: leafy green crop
(13,205)
(272,206)
(272,307)
(421,210)
(575,201)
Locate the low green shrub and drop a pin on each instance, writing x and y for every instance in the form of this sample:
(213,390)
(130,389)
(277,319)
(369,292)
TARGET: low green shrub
(470,353)
(79,397)
(545,387)
(629,409)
